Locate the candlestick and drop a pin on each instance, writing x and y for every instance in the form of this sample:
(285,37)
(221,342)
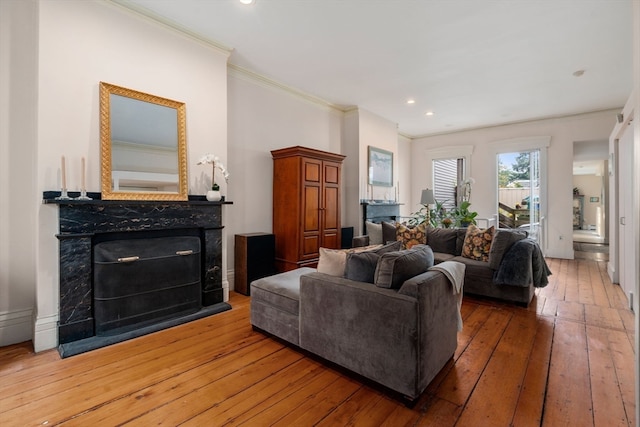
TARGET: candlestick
(83,190)
(63,178)
(63,174)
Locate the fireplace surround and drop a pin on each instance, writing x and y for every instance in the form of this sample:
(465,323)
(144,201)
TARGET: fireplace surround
(85,224)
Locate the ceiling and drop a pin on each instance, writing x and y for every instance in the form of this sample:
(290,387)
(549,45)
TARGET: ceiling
(473,63)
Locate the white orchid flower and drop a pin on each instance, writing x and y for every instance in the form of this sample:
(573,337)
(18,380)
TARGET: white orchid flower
(210,159)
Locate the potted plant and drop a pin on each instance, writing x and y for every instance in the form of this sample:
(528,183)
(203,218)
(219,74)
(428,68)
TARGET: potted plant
(463,216)
(214,195)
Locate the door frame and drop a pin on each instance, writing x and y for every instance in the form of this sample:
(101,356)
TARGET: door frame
(529,143)
(624,123)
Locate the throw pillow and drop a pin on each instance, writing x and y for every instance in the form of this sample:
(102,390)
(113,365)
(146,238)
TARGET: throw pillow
(394,268)
(442,240)
(375,233)
(388,232)
(361,266)
(502,242)
(389,247)
(332,261)
(411,235)
(477,243)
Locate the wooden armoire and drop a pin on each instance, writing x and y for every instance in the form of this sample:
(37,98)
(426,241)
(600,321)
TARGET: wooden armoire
(306,205)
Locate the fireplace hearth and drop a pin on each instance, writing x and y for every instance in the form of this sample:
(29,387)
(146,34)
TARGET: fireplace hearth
(169,272)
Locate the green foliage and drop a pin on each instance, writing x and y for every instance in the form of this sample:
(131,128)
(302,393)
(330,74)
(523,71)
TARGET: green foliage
(521,166)
(505,176)
(462,215)
(440,217)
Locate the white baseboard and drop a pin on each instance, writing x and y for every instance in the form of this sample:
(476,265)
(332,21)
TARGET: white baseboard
(45,335)
(45,332)
(16,326)
(611,270)
(227,285)
(231,279)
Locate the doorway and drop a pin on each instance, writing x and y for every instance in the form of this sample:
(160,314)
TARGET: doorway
(519,191)
(590,200)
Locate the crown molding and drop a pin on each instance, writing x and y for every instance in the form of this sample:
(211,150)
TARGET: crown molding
(248,75)
(150,16)
(515,122)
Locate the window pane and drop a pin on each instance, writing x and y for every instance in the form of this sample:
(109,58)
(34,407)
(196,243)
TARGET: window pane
(445,179)
(519,191)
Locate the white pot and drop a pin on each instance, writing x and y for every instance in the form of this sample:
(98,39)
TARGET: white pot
(214,196)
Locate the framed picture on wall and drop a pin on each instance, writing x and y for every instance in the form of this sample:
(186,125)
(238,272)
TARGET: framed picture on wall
(380,167)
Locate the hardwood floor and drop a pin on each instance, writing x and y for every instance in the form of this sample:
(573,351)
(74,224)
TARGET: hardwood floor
(567,360)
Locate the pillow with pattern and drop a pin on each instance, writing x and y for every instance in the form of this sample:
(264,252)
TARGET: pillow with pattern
(411,235)
(477,243)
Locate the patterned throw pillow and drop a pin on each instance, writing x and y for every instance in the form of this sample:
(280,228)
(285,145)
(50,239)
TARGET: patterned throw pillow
(477,243)
(410,236)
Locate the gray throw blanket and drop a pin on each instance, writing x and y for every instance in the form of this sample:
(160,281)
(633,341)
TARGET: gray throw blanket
(454,271)
(514,269)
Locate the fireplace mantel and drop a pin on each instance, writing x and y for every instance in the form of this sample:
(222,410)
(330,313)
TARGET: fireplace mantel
(82,222)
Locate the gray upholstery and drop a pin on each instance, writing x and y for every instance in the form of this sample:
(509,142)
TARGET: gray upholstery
(388,231)
(398,338)
(501,243)
(275,302)
(361,266)
(395,267)
(479,275)
(441,240)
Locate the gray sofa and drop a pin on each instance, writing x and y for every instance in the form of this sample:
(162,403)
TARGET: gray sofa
(514,269)
(397,337)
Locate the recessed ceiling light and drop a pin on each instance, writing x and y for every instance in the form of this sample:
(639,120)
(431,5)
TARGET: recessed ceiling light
(411,101)
(429,113)
(578,73)
(247,1)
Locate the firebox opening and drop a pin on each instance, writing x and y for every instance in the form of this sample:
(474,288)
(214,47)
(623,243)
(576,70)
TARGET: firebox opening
(140,281)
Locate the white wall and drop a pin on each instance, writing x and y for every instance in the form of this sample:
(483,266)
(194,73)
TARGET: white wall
(262,118)
(563,132)
(404,176)
(80,44)
(18,168)
(362,129)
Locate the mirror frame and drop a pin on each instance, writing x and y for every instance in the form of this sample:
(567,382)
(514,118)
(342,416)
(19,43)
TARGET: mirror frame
(106,90)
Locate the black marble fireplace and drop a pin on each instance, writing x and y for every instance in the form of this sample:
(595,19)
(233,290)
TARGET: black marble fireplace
(85,224)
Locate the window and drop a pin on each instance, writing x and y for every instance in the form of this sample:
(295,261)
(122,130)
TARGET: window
(447,173)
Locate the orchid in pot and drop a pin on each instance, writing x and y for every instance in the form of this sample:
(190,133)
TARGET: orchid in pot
(214,161)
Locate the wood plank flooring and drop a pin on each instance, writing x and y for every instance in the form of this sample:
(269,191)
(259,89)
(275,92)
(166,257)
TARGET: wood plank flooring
(567,360)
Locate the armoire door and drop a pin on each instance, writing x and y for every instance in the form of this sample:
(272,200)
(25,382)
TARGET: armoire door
(330,209)
(311,208)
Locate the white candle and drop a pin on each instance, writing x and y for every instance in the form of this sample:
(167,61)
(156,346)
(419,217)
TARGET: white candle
(83,188)
(63,174)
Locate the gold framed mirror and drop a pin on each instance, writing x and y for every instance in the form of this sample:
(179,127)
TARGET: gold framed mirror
(143,146)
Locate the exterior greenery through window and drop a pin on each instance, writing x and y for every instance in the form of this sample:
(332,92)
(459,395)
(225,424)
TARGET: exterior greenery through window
(519,190)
